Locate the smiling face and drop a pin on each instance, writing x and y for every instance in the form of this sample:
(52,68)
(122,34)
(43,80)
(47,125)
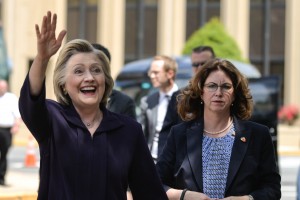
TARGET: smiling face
(220,100)
(85,80)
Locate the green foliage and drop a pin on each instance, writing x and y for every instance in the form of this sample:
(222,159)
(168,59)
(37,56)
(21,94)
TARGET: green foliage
(4,71)
(213,34)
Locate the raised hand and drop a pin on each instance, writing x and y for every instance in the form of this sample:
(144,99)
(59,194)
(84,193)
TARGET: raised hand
(47,43)
(47,46)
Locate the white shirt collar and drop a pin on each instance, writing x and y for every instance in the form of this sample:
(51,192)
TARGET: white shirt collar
(174,89)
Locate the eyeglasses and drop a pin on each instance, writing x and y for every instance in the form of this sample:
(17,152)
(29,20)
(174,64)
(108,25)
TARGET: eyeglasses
(197,64)
(155,73)
(212,87)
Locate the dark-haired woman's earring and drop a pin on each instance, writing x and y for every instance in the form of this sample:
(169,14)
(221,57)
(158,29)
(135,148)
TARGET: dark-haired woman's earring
(231,104)
(201,102)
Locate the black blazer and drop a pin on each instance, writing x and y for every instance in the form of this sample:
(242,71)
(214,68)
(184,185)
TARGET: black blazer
(252,168)
(121,103)
(76,166)
(172,118)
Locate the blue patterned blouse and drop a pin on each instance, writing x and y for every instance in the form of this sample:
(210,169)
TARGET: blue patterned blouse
(216,153)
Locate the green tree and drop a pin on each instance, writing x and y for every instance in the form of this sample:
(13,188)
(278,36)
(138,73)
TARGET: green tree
(213,34)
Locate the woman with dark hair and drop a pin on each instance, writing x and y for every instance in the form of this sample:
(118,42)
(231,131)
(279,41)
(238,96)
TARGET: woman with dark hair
(217,153)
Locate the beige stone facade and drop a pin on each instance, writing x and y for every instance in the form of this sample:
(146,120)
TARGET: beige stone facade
(20,16)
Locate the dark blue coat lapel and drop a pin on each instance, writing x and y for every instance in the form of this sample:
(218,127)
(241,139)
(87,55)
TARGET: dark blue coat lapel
(239,150)
(194,151)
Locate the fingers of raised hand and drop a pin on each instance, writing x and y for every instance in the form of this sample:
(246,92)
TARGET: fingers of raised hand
(48,21)
(48,26)
(37,31)
(44,25)
(53,24)
(61,36)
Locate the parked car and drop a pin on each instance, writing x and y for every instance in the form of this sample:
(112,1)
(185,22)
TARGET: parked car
(134,81)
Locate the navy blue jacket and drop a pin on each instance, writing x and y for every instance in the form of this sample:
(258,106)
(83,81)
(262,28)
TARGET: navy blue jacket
(172,118)
(252,169)
(121,103)
(77,166)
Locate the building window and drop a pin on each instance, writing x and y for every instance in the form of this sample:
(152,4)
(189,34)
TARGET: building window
(82,20)
(140,29)
(267,35)
(199,12)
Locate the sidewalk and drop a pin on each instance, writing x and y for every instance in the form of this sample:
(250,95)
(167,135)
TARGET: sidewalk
(24,182)
(21,186)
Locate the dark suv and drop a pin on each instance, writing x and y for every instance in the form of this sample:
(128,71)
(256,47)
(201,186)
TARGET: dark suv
(133,80)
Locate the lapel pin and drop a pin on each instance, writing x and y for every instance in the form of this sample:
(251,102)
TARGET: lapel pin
(243,139)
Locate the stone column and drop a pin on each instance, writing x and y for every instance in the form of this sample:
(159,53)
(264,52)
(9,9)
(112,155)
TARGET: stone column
(111,31)
(19,19)
(235,17)
(292,53)
(171,27)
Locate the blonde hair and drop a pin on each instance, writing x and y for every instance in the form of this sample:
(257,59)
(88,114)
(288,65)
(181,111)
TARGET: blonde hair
(169,63)
(71,48)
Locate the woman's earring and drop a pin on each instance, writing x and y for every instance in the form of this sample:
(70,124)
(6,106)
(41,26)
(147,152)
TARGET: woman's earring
(201,102)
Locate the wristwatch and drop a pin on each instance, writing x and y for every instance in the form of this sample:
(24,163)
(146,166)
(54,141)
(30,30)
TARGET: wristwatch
(250,197)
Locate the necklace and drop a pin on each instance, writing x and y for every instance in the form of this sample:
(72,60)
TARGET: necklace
(91,124)
(221,131)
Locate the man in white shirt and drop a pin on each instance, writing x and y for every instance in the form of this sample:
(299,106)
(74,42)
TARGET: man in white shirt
(10,120)
(162,74)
